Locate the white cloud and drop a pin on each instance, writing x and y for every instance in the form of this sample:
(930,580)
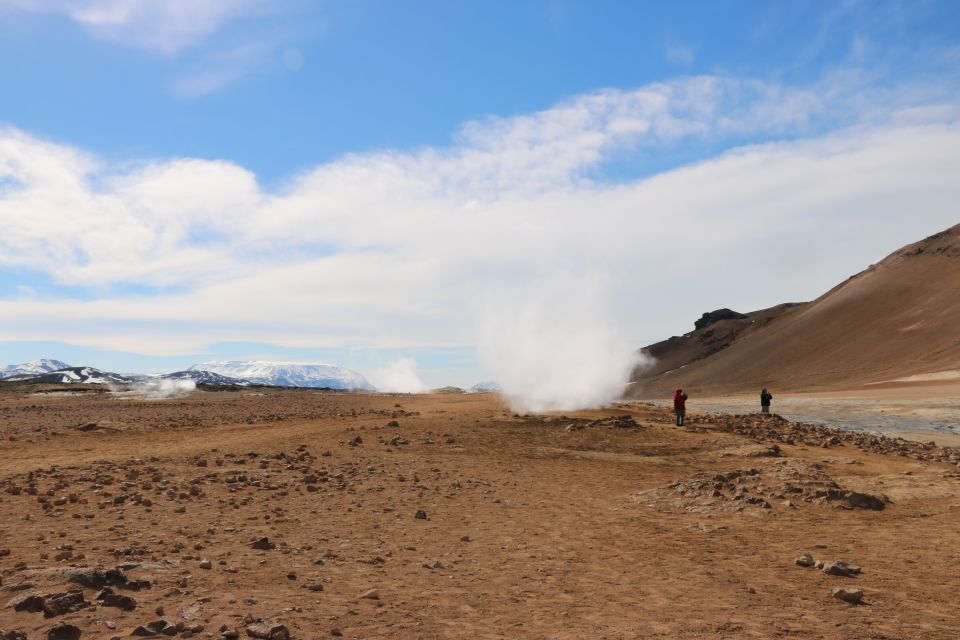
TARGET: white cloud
(165,26)
(408,249)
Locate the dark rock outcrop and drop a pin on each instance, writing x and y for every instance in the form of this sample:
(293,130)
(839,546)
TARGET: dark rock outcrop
(709,317)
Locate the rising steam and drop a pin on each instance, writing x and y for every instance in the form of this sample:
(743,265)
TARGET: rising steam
(156,389)
(555,348)
(399,376)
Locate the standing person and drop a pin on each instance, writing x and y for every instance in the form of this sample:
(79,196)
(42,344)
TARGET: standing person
(765,398)
(680,405)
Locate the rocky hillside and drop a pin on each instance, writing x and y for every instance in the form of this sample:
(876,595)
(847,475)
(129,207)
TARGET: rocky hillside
(896,319)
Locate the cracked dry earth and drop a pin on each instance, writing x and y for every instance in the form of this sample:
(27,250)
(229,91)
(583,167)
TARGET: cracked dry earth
(305,514)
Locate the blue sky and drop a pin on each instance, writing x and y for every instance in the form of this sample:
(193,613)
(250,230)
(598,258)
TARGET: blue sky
(373,75)
(364,181)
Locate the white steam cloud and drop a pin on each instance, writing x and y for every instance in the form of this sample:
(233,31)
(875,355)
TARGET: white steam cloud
(555,348)
(158,389)
(399,376)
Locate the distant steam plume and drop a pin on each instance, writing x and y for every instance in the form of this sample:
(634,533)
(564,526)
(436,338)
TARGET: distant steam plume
(555,347)
(157,389)
(399,376)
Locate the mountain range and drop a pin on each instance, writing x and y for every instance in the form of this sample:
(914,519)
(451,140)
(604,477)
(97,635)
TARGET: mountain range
(896,322)
(37,367)
(288,374)
(225,373)
(70,375)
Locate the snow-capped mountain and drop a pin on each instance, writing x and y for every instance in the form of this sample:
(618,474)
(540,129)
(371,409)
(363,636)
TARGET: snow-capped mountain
(71,375)
(37,367)
(485,387)
(206,377)
(288,374)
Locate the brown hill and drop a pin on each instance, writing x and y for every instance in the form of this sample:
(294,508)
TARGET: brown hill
(898,318)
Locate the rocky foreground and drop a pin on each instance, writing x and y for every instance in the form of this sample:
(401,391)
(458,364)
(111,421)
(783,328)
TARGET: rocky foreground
(302,514)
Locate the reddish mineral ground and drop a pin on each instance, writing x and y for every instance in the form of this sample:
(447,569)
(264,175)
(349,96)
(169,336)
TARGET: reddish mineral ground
(272,513)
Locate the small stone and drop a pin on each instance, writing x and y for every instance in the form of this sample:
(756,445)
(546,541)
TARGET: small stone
(263,544)
(142,632)
(32,602)
(847,594)
(420,515)
(806,560)
(58,604)
(371,594)
(268,631)
(108,598)
(205,564)
(840,568)
(158,626)
(63,631)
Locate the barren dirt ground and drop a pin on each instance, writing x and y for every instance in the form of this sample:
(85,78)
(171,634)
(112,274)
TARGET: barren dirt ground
(534,527)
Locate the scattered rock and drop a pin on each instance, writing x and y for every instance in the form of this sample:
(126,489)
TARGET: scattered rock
(806,560)
(371,594)
(108,598)
(58,604)
(859,500)
(31,602)
(263,544)
(94,578)
(840,568)
(790,480)
(420,514)
(847,594)
(267,630)
(63,631)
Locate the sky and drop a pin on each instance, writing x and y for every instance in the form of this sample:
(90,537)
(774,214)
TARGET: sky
(458,191)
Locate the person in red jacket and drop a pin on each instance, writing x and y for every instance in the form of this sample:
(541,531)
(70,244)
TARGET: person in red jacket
(680,406)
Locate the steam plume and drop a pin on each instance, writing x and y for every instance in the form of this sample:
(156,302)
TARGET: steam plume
(399,376)
(555,348)
(158,389)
